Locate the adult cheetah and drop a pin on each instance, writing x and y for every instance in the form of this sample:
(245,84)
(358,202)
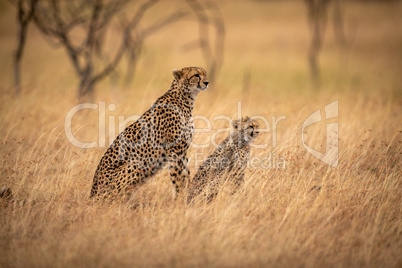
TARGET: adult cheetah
(227,164)
(161,135)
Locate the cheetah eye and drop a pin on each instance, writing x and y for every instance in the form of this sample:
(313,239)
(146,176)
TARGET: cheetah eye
(197,75)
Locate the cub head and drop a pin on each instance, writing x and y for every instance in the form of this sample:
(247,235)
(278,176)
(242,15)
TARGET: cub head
(193,78)
(246,129)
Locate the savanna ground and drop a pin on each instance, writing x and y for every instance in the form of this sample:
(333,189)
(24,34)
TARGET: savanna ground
(305,214)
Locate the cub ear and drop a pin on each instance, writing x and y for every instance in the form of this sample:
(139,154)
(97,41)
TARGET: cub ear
(235,124)
(177,74)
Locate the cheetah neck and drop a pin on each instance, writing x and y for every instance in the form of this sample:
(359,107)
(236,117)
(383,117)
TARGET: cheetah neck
(239,141)
(185,95)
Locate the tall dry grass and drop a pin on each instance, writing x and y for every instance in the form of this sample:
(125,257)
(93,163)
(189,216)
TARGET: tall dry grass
(305,214)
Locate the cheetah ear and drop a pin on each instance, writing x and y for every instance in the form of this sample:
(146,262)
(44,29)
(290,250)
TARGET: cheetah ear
(177,74)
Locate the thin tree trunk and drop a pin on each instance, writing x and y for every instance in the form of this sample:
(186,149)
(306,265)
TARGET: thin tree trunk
(314,51)
(23,22)
(317,15)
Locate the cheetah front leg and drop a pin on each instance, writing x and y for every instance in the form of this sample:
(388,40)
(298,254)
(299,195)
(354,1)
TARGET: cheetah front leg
(179,173)
(236,175)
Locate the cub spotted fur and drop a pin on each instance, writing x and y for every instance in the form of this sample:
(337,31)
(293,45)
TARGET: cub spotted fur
(227,164)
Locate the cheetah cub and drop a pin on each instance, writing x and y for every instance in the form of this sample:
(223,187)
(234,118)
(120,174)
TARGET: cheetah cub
(227,164)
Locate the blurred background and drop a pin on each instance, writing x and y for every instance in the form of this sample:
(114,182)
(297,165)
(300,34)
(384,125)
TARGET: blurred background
(107,48)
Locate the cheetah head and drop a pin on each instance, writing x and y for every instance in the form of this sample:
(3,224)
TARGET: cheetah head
(193,78)
(246,129)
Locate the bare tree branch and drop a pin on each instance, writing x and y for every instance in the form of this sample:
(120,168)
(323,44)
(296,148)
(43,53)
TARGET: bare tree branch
(338,23)
(135,43)
(61,20)
(214,58)
(24,17)
(317,16)
(124,44)
(178,15)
